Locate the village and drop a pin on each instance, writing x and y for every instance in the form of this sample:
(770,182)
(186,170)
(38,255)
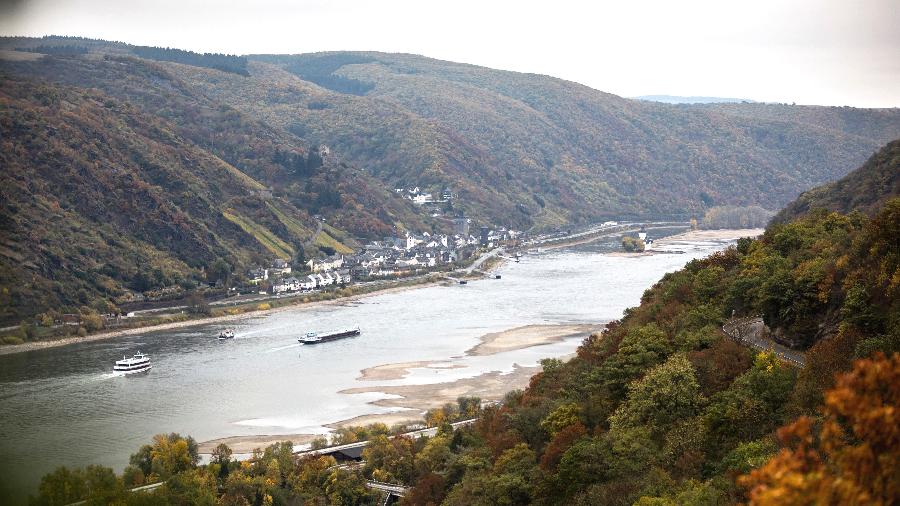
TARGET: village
(390,258)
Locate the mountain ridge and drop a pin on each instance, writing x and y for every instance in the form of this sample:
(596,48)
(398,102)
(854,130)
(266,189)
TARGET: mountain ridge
(524,151)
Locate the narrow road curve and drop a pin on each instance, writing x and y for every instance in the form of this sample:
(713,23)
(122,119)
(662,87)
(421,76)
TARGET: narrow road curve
(751,331)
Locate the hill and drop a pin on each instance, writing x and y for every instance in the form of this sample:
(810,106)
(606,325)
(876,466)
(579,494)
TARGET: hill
(866,189)
(676,99)
(116,181)
(586,154)
(520,150)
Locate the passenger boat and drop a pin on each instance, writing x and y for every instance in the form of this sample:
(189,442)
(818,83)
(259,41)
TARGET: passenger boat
(138,363)
(226,334)
(321,337)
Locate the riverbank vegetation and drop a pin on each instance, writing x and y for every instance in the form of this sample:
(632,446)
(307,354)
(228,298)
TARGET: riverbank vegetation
(735,217)
(632,244)
(847,455)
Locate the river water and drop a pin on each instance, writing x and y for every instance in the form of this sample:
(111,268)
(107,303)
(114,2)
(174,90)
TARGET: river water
(63,406)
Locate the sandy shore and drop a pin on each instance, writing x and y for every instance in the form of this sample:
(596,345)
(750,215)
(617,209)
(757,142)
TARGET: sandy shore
(246,444)
(709,235)
(385,372)
(690,236)
(415,400)
(390,419)
(488,386)
(528,336)
(299,304)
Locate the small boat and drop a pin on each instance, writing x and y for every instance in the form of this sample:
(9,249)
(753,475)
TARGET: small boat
(497,276)
(463,282)
(138,363)
(226,334)
(321,337)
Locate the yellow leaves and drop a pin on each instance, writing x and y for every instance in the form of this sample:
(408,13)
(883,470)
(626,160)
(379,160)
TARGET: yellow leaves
(767,361)
(561,417)
(855,458)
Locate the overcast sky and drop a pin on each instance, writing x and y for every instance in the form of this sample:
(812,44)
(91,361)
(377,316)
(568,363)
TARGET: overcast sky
(833,52)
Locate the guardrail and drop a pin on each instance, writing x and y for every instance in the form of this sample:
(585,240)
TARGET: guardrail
(737,329)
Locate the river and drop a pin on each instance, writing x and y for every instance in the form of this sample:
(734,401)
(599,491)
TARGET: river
(63,406)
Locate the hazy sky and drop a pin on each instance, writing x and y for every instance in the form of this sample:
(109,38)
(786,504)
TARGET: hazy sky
(832,52)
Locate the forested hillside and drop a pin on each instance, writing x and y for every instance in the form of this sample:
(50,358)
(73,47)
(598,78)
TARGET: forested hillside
(587,154)
(864,190)
(518,150)
(662,408)
(118,182)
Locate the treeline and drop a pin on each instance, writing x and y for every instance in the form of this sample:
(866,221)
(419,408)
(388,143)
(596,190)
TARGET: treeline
(736,217)
(320,69)
(865,189)
(272,476)
(67,50)
(224,62)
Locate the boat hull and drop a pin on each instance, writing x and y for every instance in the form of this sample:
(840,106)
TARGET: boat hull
(134,370)
(330,336)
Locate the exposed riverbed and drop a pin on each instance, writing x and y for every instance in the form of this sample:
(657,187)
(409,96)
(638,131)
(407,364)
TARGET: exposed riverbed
(63,406)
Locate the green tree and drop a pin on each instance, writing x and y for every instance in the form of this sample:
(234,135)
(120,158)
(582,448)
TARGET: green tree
(218,271)
(62,486)
(640,349)
(668,394)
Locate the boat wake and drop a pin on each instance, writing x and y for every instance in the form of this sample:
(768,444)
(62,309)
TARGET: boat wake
(295,345)
(109,375)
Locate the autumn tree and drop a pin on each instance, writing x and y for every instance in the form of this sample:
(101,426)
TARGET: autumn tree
(853,457)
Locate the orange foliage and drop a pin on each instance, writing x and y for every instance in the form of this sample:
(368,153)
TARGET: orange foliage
(856,457)
(560,443)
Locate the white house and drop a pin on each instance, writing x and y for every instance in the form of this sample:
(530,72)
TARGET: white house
(422,198)
(287,285)
(329,264)
(412,241)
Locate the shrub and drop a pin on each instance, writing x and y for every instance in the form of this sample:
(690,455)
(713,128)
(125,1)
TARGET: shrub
(12,340)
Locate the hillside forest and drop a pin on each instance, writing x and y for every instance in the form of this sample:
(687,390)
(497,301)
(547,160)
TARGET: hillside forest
(133,171)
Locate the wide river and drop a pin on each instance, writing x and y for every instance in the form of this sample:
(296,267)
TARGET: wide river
(63,406)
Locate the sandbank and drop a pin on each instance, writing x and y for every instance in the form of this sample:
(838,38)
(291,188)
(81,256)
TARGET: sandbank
(246,444)
(528,336)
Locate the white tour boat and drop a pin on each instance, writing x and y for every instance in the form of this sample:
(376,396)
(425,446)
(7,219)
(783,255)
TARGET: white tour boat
(138,363)
(226,334)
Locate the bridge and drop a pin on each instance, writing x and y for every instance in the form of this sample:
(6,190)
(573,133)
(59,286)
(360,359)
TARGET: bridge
(751,331)
(390,490)
(359,445)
